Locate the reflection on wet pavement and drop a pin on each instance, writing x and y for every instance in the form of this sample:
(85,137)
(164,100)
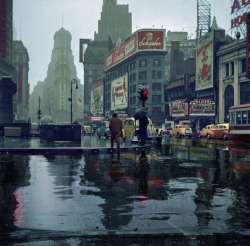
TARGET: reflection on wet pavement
(162,191)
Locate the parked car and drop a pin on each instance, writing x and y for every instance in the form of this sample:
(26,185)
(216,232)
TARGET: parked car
(103,130)
(87,130)
(182,130)
(219,132)
(205,132)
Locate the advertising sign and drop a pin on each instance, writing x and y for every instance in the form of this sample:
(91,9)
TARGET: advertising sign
(97,97)
(202,107)
(119,93)
(150,40)
(146,39)
(177,108)
(239,12)
(204,62)
(122,52)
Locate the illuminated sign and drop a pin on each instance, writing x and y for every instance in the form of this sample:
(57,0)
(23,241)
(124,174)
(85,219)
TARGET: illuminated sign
(202,107)
(239,12)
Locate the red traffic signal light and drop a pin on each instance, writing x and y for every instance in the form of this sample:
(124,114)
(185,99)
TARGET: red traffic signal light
(143,94)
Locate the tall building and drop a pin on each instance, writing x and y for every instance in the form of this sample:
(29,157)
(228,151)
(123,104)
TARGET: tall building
(58,83)
(116,22)
(20,60)
(137,62)
(6,33)
(114,27)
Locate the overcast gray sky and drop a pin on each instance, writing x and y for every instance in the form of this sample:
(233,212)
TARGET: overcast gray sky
(36,22)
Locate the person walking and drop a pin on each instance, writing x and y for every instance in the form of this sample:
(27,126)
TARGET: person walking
(143,128)
(115,126)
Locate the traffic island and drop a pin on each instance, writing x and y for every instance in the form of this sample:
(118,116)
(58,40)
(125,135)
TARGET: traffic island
(60,132)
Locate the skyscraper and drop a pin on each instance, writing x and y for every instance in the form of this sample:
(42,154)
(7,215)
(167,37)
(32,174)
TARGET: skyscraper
(57,85)
(114,26)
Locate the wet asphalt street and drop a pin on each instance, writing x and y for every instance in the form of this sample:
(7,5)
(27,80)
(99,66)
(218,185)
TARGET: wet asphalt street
(182,192)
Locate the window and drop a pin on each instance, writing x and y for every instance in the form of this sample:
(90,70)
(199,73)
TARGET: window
(238,119)
(156,74)
(244,117)
(231,68)
(156,63)
(227,69)
(143,63)
(243,65)
(156,86)
(132,66)
(143,75)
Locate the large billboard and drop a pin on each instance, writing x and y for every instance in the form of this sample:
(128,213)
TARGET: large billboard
(97,98)
(204,62)
(150,39)
(146,39)
(239,10)
(119,93)
(178,108)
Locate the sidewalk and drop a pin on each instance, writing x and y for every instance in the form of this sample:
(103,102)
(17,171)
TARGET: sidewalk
(88,144)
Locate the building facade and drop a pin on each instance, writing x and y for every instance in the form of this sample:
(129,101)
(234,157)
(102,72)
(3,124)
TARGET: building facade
(6,37)
(114,27)
(234,86)
(20,60)
(136,63)
(58,83)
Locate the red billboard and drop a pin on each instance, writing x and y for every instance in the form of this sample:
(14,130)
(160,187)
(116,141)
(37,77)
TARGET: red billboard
(146,39)
(150,40)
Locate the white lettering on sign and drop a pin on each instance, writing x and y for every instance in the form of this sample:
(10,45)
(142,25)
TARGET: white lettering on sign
(150,43)
(203,101)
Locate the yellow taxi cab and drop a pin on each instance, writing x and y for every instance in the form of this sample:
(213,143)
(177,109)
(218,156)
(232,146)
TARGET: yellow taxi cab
(220,131)
(130,125)
(182,130)
(205,132)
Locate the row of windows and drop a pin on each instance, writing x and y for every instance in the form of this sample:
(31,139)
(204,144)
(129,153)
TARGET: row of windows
(143,75)
(229,68)
(155,63)
(240,117)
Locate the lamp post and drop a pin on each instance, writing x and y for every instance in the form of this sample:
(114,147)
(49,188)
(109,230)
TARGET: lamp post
(73,81)
(39,112)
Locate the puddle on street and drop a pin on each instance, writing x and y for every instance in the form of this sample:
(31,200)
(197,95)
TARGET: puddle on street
(162,191)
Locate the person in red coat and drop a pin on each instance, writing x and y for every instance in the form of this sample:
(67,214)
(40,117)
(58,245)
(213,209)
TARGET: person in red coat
(115,126)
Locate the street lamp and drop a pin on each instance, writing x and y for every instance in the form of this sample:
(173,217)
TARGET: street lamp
(39,112)
(73,81)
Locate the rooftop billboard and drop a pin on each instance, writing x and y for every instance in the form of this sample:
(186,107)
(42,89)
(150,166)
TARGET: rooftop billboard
(146,39)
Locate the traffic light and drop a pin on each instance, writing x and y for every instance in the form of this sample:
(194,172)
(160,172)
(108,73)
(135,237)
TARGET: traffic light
(143,94)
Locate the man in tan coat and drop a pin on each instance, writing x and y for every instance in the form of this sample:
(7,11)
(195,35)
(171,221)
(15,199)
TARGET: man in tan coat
(115,126)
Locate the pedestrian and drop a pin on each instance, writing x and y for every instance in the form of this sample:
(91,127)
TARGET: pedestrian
(115,126)
(143,128)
